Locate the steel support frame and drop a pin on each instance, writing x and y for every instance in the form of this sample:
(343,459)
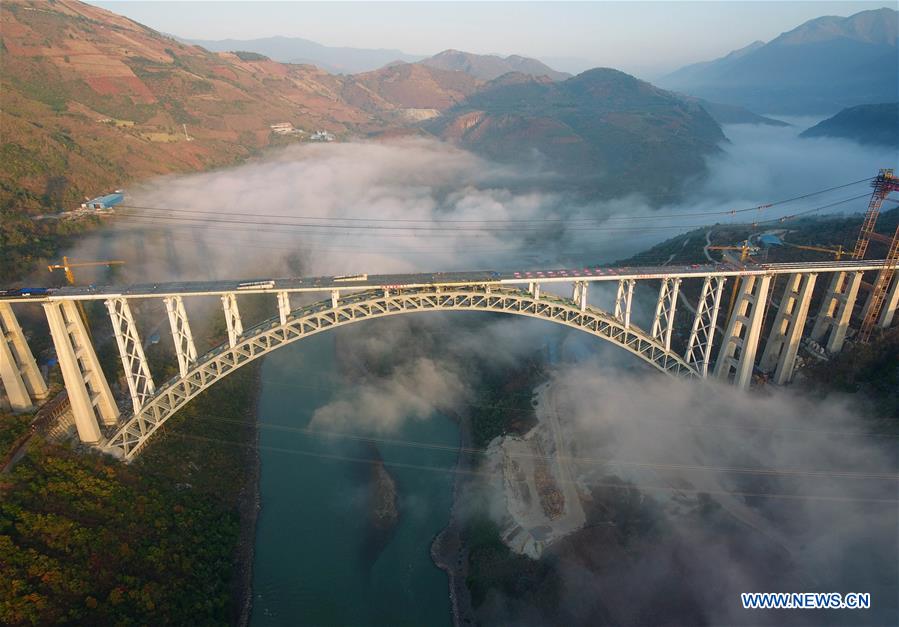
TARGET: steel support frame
(232,318)
(737,355)
(836,310)
(86,385)
(321,316)
(283,306)
(624,298)
(183,339)
(783,340)
(579,294)
(881,190)
(18,370)
(877,304)
(702,335)
(131,351)
(663,320)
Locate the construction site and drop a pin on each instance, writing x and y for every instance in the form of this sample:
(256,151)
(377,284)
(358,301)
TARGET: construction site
(542,499)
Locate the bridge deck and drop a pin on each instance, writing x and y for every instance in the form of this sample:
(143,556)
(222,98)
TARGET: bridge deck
(449,279)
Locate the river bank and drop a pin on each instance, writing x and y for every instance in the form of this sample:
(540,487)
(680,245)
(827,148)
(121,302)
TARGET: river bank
(249,504)
(448,550)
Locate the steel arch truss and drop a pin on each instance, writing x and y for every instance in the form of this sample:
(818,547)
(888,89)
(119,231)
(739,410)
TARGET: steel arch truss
(322,316)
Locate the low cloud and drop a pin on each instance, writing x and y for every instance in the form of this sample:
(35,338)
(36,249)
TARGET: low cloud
(414,392)
(774,491)
(422,205)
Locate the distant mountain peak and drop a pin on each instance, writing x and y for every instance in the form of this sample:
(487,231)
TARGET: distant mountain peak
(821,66)
(333,59)
(740,52)
(488,67)
(877,26)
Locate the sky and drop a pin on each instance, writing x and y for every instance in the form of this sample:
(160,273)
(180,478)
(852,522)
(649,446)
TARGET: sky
(648,39)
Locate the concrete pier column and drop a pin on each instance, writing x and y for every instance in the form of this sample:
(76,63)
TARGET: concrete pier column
(18,370)
(836,309)
(783,341)
(13,383)
(87,388)
(737,355)
(890,304)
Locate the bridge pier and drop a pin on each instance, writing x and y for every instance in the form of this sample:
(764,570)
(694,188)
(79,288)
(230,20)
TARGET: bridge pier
(88,390)
(737,355)
(890,305)
(21,378)
(836,310)
(783,342)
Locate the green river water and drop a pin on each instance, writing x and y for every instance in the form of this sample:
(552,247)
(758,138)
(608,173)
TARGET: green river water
(314,564)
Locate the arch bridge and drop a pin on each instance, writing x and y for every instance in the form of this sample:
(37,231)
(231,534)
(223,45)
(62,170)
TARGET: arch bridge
(687,335)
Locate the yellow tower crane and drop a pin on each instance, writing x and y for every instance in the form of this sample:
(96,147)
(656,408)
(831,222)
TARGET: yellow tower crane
(67,266)
(837,252)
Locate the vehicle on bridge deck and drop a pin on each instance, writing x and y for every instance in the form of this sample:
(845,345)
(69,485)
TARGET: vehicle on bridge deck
(350,277)
(256,285)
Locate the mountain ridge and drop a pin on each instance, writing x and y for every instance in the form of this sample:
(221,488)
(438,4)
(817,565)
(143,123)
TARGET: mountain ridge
(332,59)
(597,128)
(90,101)
(821,66)
(489,66)
(875,124)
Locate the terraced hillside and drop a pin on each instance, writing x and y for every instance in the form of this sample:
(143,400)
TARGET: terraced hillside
(91,100)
